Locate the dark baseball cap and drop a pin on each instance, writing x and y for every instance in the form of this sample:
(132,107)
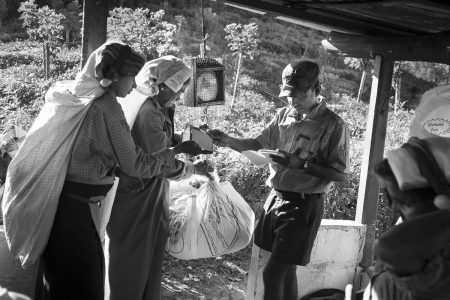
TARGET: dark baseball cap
(300,75)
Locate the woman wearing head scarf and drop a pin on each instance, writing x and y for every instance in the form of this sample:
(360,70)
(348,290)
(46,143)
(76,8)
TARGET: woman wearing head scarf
(138,227)
(72,262)
(413,258)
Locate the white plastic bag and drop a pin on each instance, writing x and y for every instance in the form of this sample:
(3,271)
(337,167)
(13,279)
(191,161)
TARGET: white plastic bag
(209,221)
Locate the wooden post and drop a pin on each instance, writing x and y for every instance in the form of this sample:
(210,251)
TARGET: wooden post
(44,56)
(95,15)
(67,38)
(397,100)
(361,84)
(366,208)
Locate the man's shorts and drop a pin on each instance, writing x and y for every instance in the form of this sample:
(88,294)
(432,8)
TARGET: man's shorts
(289,226)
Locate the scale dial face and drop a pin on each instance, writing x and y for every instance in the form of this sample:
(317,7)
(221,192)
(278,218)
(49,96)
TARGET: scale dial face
(207,86)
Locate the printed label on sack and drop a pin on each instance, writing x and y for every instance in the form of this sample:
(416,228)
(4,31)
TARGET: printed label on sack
(438,124)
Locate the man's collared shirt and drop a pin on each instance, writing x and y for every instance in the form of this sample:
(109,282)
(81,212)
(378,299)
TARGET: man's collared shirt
(321,136)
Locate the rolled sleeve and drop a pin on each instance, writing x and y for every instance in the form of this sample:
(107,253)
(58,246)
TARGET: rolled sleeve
(269,136)
(339,147)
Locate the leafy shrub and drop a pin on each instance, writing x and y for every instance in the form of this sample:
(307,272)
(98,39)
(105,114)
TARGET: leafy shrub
(10,60)
(412,89)
(143,30)
(66,64)
(273,47)
(42,24)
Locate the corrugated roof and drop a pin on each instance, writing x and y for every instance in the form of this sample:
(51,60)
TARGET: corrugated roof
(379,18)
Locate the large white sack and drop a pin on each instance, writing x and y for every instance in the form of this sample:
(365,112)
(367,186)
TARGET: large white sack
(37,172)
(209,221)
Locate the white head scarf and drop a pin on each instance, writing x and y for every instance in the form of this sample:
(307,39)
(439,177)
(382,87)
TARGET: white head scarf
(169,70)
(88,82)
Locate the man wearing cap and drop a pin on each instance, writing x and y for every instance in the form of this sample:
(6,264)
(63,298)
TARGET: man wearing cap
(312,145)
(139,224)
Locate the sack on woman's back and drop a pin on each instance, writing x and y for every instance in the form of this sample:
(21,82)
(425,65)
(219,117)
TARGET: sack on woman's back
(37,172)
(209,221)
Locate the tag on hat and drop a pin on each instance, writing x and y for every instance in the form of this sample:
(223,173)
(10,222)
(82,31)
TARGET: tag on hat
(432,117)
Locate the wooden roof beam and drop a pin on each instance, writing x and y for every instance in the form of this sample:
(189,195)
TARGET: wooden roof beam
(432,47)
(430,6)
(317,17)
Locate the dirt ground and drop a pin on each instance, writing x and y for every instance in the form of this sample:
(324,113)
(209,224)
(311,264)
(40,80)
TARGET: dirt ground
(220,278)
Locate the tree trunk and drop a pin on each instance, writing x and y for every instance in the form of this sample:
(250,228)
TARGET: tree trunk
(95,14)
(67,38)
(46,55)
(361,85)
(236,83)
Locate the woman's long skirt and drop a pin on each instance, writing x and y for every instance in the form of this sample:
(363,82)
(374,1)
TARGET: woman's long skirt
(72,265)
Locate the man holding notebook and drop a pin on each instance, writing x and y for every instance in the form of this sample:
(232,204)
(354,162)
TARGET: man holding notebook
(311,146)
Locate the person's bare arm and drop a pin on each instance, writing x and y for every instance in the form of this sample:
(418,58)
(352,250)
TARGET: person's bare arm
(224,140)
(407,246)
(325,172)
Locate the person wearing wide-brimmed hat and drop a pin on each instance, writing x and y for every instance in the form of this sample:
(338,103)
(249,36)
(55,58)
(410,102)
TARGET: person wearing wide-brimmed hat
(312,145)
(413,257)
(138,228)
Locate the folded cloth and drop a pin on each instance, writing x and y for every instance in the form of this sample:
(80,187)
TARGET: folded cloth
(406,167)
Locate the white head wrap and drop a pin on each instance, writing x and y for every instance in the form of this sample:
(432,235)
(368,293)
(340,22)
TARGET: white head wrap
(86,84)
(169,70)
